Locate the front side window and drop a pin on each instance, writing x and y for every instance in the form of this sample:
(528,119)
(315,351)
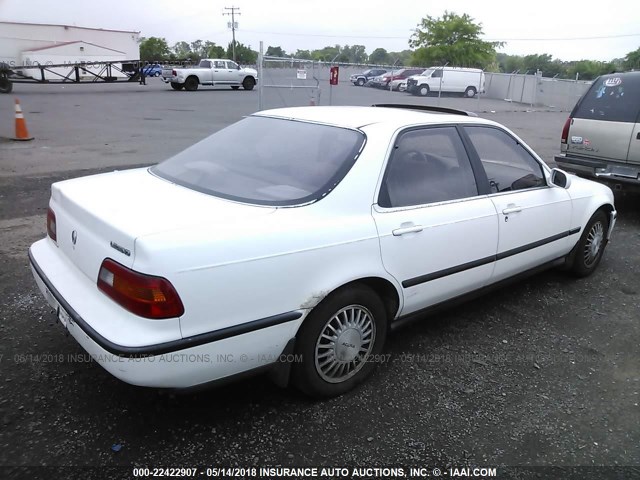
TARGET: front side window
(232,65)
(507,164)
(266,161)
(427,165)
(437,74)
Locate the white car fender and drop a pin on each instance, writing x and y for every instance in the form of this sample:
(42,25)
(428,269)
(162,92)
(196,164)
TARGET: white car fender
(586,203)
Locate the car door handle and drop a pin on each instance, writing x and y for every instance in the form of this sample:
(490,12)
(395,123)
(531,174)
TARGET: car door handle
(511,209)
(401,231)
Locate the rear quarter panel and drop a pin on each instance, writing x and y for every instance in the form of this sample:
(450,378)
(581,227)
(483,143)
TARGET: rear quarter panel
(286,261)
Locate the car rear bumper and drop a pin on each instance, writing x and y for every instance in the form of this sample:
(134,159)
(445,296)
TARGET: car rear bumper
(620,175)
(179,363)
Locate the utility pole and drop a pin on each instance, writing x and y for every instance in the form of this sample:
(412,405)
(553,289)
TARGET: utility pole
(234,11)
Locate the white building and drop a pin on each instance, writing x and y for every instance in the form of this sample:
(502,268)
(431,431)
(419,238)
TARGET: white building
(45,44)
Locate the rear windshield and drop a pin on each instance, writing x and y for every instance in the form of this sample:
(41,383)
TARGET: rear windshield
(266,161)
(614,98)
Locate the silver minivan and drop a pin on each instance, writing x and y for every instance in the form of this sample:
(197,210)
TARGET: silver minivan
(601,137)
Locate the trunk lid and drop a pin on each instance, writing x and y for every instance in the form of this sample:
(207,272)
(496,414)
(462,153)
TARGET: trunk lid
(102,215)
(598,139)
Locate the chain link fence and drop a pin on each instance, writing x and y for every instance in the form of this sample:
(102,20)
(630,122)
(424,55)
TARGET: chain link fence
(289,82)
(535,90)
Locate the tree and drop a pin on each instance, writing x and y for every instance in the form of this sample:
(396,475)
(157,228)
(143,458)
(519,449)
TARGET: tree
(182,50)
(510,63)
(544,63)
(380,57)
(403,57)
(452,39)
(327,54)
(275,52)
(215,51)
(197,48)
(354,54)
(244,54)
(632,60)
(303,54)
(589,69)
(154,49)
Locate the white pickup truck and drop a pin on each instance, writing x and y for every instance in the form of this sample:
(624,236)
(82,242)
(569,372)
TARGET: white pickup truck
(211,71)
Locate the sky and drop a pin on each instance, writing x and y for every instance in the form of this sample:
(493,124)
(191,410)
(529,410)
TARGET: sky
(568,30)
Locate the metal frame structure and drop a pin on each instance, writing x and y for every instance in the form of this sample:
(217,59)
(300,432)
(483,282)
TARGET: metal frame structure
(73,74)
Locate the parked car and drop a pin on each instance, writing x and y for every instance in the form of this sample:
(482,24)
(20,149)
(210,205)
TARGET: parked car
(601,137)
(360,79)
(301,250)
(400,74)
(468,81)
(152,70)
(374,81)
(399,85)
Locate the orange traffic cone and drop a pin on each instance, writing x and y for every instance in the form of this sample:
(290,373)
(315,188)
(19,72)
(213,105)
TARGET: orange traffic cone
(22,133)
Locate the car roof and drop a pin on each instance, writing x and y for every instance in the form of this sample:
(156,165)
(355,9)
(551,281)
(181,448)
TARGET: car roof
(357,117)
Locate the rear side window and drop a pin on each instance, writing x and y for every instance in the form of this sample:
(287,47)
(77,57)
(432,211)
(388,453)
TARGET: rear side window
(613,98)
(507,164)
(427,165)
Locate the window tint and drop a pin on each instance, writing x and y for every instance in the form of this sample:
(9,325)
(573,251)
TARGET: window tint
(427,165)
(205,64)
(436,74)
(266,161)
(507,164)
(614,98)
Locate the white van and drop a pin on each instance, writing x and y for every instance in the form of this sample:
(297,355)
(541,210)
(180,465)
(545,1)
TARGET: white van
(468,81)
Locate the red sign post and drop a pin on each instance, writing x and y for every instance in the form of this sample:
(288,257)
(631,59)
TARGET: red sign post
(333,77)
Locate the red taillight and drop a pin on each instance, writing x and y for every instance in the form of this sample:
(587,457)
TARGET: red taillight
(174,73)
(51,225)
(145,295)
(565,131)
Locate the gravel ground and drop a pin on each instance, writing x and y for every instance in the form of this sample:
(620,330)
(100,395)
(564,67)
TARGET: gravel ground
(543,373)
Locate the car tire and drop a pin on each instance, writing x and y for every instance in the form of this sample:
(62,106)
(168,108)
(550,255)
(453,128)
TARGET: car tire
(248,83)
(191,84)
(157,74)
(355,316)
(589,250)
(6,85)
(177,86)
(470,92)
(360,82)
(235,87)
(423,90)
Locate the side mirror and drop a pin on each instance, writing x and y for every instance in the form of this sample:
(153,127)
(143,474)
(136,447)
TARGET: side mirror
(560,179)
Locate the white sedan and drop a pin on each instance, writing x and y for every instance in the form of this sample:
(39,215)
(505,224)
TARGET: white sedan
(295,239)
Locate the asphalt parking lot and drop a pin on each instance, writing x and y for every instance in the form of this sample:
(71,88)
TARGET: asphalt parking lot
(544,372)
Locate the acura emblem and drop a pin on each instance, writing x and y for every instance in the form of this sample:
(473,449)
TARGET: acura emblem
(74,237)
